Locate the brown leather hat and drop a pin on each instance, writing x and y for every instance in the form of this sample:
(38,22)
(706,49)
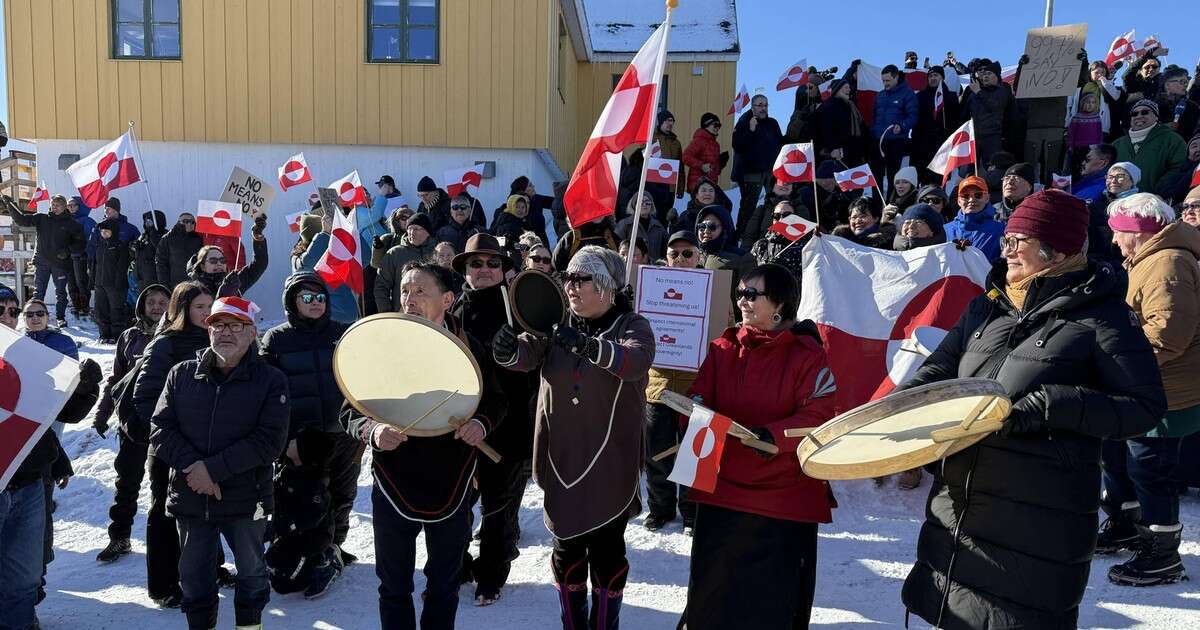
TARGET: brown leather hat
(480,244)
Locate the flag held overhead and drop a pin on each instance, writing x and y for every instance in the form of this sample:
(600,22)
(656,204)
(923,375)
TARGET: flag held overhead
(856,178)
(219,218)
(112,166)
(796,163)
(958,150)
(795,76)
(457,179)
(294,172)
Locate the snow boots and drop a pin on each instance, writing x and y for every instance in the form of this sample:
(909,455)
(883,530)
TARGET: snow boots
(1119,531)
(114,551)
(1156,560)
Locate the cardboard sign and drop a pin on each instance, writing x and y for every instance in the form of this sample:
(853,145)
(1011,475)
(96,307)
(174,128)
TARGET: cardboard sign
(330,202)
(686,308)
(252,193)
(1053,68)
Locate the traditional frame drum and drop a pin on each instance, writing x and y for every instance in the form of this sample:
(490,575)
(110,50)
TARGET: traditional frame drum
(538,302)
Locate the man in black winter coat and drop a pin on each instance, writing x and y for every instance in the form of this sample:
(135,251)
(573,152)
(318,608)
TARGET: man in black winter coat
(756,141)
(110,277)
(60,244)
(302,556)
(130,463)
(1010,527)
(175,250)
(145,248)
(937,118)
(220,424)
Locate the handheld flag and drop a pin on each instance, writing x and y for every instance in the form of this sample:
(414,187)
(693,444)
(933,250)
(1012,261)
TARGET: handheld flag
(856,178)
(740,101)
(112,166)
(340,263)
(457,179)
(39,195)
(958,150)
(1123,47)
(350,190)
(293,221)
(795,163)
(793,227)
(795,76)
(662,171)
(699,457)
(294,172)
(219,218)
(35,382)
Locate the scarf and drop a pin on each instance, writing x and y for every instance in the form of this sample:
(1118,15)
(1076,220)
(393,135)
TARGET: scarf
(1017,291)
(856,120)
(1138,137)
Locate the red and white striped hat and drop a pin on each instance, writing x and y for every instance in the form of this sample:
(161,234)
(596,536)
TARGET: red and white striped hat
(237,307)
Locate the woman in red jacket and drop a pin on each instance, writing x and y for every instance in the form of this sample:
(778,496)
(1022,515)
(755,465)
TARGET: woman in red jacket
(754,547)
(703,154)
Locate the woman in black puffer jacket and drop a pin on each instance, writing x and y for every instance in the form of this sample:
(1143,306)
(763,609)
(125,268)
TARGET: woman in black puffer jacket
(1010,527)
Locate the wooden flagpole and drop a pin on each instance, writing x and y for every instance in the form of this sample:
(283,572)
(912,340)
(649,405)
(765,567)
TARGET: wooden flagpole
(650,127)
(137,151)
(816,192)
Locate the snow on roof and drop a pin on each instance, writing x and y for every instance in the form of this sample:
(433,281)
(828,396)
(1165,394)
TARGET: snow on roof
(698,26)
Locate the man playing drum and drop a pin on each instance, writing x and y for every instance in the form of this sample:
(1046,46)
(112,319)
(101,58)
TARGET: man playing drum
(422,483)
(1011,522)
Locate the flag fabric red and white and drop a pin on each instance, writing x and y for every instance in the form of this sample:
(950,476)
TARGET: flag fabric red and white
(793,227)
(740,101)
(1150,43)
(880,313)
(40,194)
(939,101)
(294,172)
(35,383)
(826,89)
(112,166)
(655,149)
(795,163)
(699,457)
(958,150)
(625,121)
(868,83)
(855,178)
(457,179)
(293,221)
(1008,74)
(219,218)
(1061,182)
(1123,47)
(795,76)
(340,264)
(662,171)
(350,190)
(1195,177)
(916,78)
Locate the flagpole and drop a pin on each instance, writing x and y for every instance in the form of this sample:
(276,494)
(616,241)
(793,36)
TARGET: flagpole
(653,118)
(137,150)
(816,193)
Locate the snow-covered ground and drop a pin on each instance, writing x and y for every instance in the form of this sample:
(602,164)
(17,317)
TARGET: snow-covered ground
(863,559)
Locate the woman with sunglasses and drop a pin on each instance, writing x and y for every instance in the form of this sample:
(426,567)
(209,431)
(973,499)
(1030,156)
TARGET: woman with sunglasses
(1189,209)
(755,538)
(179,337)
(776,248)
(302,348)
(211,266)
(1152,146)
(936,198)
(540,259)
(760,222)
(588,436)
(37,327)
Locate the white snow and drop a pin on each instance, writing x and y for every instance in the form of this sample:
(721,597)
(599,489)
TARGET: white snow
(698,26)
(864,556)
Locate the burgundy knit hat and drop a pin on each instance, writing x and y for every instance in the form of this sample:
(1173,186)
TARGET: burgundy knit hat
(1054,217)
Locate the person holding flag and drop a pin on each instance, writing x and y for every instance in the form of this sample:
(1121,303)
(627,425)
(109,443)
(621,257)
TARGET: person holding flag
(59,244)
(755,538)
(343,299)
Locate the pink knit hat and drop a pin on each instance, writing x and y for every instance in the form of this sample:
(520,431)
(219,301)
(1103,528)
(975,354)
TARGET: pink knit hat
(1054,217)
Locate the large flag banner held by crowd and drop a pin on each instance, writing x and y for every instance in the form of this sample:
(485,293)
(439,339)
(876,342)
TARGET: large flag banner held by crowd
(112,166)
(880,313)
(35,382)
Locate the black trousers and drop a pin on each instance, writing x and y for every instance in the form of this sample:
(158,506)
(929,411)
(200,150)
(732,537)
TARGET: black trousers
(111,317)
(344,468)
(501,487)
(396,557)
(202,555)
(130,465)
(738,557)
(662,432)
(600,553)
(369,275)
(750,187)
(162,535)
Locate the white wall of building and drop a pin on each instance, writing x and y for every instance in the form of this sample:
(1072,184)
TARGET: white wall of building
(179,174)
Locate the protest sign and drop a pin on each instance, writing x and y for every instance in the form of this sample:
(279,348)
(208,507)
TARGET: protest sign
(252,193)
(1053,68)
(686,308)
(330,202)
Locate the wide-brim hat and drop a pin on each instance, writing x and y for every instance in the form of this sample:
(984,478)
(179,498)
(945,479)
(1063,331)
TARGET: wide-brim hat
(480,244)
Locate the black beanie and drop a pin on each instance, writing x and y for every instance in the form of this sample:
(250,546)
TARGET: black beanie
(113,203)
(518,185)
(708,118)
(426,184)
(422,220)
(1024,170)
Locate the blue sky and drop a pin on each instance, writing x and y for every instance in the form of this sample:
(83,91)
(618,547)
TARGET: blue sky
(776,33)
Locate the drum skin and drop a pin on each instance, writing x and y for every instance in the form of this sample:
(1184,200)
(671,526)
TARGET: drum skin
(892,434)
(395,368)
(538,302)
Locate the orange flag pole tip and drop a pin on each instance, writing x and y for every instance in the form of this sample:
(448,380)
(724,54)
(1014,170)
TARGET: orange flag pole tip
(672,4)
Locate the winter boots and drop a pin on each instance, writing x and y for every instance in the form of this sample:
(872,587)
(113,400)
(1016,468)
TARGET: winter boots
(114,551)
(606,609)
(573,600)
(1156,560)
(1119,531)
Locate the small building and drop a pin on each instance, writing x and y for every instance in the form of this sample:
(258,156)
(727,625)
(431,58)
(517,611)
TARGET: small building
(400,87)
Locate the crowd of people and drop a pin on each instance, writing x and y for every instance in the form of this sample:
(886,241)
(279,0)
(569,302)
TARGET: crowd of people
(1091,321)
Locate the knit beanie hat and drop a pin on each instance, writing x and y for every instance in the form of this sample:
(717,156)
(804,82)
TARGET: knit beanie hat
(923,212)
(1054,217)
(1147,103)
(1024,170)
(426,184)
(605,266)
(1134,172)
(113,203)
(708,118)
(421,219)
(908,174)
(938,70)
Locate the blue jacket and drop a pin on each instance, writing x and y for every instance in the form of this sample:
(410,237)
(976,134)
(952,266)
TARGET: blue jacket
(55,340)
(343,305)
(371,222)
(1089,187)
(981,228)
(88,223)
(897,106)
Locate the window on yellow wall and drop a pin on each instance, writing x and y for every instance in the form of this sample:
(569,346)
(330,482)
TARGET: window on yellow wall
(402,31)
(145,29)
(662,92)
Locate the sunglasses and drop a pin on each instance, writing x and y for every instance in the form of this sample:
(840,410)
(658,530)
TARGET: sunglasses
(459,206)
(750,294)
(13,311)
(543,260)
(215,261)
(932,200)
(708,226)
(1140,112)
(779,215)
(309,298)
(1150,66)
(715,125)
(1189,208)
(233,327)
(977,195)
(576,279)
(684,254)
(492,263)
(34,313)
(188,221)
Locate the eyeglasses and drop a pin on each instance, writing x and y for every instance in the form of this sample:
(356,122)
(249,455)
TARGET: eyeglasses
(975,195)
(708,226)
(779,215)
(685,254)
(1190,208)
(751,294)
(13,311)
(715,125)
(1013,242)
(543,260)
(35,313)
(576,279)
(309,298)
(233,327)
(1178,80)
(492,263)
(460,206)
(933,201)
(1140,112)
(1150,66)
(1116,177)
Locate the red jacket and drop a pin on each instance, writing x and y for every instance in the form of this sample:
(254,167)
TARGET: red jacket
(703,149)
(777,380)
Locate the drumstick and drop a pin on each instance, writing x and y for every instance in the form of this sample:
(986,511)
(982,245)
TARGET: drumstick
(665,454)
(953,433)
(798,433)
(684,405)
(507,306)
(482,446)
(426,414)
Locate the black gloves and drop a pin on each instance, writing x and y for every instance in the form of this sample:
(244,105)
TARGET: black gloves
(377,242)
(504,344)
(89,372)
(764,435)
(100,424)
(1023,60)
(260,222)
(230,285)
(1082,56)
(577,342)
(1027,416)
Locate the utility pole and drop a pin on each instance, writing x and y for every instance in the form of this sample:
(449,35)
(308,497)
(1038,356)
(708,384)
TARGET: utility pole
(1049,13)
